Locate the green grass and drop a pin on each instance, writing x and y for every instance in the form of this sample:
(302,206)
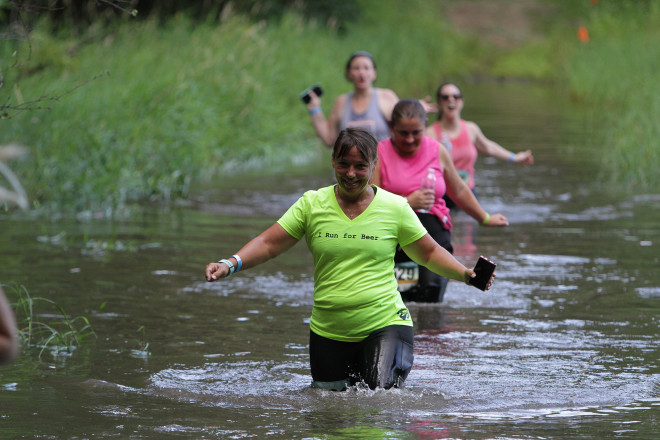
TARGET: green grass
(615,76)
(45,326)
(154,109)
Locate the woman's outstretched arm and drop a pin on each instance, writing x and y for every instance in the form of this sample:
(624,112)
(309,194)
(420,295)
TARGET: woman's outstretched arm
(269,244)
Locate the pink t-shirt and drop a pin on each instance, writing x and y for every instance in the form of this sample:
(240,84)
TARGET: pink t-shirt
(403,174)
(463,152)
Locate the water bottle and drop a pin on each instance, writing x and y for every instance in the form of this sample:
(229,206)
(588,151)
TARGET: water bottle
(446,141)
(428,182)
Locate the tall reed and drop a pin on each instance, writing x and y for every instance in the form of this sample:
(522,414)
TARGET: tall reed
(59,333)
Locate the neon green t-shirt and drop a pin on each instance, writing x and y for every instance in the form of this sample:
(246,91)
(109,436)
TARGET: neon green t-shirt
(355,292)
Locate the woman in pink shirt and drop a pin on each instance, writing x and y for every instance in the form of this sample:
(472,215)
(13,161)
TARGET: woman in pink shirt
(466,140)
(403,161)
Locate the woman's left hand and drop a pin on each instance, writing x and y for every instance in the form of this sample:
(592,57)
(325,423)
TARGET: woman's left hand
(523,158)
(469,273)
(429,107)
(497,220)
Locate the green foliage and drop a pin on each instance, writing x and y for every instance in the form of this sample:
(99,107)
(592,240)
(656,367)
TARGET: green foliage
(615,73)
(60,335)
(78,15)
(182,102)
(413,45)
(530,61)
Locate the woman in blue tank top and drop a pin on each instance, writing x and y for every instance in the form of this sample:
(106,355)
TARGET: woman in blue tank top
(365,106)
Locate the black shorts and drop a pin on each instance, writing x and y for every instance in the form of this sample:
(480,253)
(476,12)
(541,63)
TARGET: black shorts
(430,287)
(451,204)
(381,360)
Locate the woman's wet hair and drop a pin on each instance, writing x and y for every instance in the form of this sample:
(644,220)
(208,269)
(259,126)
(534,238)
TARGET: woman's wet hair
(359,53)
(439,92)
(408,109)
(358,137)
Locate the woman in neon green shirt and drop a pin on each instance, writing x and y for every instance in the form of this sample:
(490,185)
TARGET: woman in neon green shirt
(360,330)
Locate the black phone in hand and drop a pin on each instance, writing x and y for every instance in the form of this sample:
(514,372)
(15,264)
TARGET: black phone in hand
(304,95)
(484,270)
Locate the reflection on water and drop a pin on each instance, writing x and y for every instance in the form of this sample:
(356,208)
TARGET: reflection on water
(565,342)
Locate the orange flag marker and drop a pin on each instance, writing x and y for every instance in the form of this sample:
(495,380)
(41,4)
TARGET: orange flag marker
(583,34)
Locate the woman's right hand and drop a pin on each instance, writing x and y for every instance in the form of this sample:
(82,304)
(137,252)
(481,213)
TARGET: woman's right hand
(314,101)
(215,271)
(421,199)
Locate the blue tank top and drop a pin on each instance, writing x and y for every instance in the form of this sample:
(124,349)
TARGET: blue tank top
(372,119)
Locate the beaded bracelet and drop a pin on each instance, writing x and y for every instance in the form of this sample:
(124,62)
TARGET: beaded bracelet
(230,265)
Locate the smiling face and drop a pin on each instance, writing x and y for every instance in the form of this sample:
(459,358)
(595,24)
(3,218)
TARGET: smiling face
(450,101)
(353,172)
(407,135)
(361,72)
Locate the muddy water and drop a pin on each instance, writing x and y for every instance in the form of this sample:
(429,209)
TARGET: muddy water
(565,345)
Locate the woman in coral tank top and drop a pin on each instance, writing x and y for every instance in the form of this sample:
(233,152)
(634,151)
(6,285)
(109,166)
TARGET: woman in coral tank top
(465,138)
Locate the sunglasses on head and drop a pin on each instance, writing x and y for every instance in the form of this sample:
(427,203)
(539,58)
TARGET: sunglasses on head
(446,97)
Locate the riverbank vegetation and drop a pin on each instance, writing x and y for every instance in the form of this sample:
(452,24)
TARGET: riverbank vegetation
(132,110)
(614,75)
